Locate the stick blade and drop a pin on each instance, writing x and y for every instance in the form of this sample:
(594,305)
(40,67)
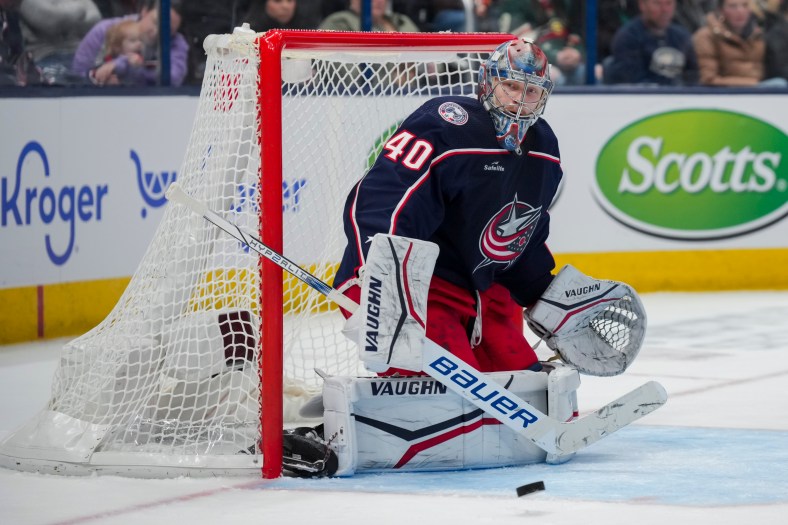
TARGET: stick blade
(615,415)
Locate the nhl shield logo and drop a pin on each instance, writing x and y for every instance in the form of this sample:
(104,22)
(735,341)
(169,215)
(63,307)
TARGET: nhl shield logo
(453,113)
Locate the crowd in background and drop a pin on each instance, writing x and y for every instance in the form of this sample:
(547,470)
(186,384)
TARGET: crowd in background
(655,42)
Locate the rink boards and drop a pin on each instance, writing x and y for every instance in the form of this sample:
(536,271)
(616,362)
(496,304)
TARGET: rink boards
(664,191)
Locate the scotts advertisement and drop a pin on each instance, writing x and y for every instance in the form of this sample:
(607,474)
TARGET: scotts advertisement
(695,174)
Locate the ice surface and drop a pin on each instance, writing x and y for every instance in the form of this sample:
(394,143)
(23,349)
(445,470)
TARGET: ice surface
(716,453)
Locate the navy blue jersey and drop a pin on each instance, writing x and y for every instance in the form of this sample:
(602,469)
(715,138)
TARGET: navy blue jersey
(443,177)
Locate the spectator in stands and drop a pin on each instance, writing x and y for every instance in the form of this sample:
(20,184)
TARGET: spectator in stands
(449,16)
(329,7)
(53,30)
(489,17)
(691,14)
(275,14)
(311,11)
(611,16)
(88,60)
(555,26)
(208,17)
(16,64)
(382,19)
(125,50)
(767,12)
(438,15)
(651,49)
(115,8)
(776,62)
(537,13)
(731,47)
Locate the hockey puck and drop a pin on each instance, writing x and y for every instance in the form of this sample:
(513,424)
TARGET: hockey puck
(536,486)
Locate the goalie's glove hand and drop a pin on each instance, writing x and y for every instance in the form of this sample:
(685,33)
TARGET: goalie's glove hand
(540,331)
(594,325)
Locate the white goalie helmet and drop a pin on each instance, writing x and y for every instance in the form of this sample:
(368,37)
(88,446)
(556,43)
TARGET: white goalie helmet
(514,85)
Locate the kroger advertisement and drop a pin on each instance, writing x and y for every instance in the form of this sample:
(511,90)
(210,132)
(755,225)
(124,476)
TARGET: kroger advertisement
(82,183)
(82,180)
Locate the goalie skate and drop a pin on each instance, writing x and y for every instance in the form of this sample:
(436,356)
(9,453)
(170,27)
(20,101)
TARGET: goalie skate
(306,455)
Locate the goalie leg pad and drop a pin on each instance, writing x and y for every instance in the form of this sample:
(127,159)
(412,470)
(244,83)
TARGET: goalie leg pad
(416,424)
(390,324)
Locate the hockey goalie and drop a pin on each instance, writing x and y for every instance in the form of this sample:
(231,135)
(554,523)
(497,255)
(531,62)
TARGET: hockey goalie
(446,245)
(407,420)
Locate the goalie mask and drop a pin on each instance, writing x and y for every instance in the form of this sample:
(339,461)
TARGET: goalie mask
(514,85)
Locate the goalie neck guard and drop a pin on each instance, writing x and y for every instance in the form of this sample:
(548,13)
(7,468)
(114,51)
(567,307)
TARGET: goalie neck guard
(514,85)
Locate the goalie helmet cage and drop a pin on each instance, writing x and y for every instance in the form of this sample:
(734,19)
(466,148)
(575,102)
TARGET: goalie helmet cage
(210,348)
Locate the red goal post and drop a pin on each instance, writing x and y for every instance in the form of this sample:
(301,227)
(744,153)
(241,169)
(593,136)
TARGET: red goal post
(211,350)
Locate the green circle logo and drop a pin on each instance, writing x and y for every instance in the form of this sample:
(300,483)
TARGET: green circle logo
(695,174)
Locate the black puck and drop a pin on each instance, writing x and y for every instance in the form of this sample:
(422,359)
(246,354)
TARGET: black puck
(529,488)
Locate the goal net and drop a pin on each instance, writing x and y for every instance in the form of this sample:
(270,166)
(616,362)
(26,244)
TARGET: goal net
(210,349)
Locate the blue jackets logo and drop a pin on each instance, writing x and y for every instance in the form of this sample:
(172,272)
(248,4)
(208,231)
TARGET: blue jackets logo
(507,233)
(26,200)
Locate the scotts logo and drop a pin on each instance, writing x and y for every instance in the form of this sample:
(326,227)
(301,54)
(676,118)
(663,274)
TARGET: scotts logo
(695,174)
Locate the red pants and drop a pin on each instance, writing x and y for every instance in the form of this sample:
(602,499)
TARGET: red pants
(451,311)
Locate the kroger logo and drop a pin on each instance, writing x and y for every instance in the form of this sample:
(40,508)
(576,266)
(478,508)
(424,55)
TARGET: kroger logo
(28,198)
(695,174)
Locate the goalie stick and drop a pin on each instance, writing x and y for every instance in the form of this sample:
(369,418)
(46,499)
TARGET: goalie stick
(553,436)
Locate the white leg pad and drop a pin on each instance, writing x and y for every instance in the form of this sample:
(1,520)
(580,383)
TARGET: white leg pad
(417,424)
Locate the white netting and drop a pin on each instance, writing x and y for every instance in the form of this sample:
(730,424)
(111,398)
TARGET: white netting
(168,383)
(334,123)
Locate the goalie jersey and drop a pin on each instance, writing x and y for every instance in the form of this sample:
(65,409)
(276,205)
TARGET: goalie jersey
(443,177)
